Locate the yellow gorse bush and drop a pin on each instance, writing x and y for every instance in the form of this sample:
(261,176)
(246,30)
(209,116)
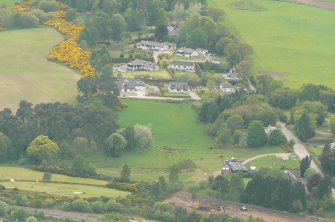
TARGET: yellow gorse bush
(69,50)
(23,7)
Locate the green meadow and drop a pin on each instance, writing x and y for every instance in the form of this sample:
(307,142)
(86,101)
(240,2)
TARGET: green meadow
(25,72)
(292,42)
(178,136)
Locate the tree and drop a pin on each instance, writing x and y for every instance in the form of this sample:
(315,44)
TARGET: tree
(310,92)
(325,187)
(173,174)
(118,26)
(115,143)
(5,146)
(236,186)
(19,214)
(221,184)
(47,176)
(224,137)
(31,219)
(81,167)
(235,122)
(276,137)
(71,14)
(304,165)
(304,128)
(328,162)
(3,208)
(42,149)
(313,181)
(332,126)
(125,173)
(80,145)
(143,136)
(256,134)
(164,63)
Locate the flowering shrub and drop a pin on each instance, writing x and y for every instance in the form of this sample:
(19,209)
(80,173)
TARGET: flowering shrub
(69,50)
(23,7)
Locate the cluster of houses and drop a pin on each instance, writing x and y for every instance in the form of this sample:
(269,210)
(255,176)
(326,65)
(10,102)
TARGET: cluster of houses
(135,85)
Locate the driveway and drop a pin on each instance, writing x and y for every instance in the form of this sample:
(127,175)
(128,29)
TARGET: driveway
(301,150)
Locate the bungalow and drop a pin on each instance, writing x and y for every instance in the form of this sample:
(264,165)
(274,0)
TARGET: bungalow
(138,64)
(187,52)
(332,146)
(203,52)
(237,167)
(182,66)
(179,87)
(128,85)
(226,87)
(156,46)
(269,129)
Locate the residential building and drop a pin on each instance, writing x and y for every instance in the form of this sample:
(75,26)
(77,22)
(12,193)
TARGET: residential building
(332,146)
(179,87)
(237,167)
(203,52)
(129,85)
(226,87)
(182,66)
(187,52)
(269,129)
(156,46)
(141,65)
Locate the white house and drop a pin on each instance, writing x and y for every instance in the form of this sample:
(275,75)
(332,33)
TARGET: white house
(269,129)
(130,85)
(226,87)
(187,52)
(141,65)
(182,66)
(156,46)
(332,146)
(179,87)
(203,52)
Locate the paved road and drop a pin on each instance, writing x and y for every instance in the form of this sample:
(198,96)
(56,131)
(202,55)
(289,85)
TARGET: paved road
(301,150)
(284,156)
(316,3)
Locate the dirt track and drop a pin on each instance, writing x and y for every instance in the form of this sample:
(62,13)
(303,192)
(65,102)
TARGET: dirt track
(184,199)
(316,3)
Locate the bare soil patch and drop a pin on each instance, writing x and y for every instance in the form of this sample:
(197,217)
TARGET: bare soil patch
(186,200)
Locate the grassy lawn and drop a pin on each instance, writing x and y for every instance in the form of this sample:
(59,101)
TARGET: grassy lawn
(160,74)
(274,163)
(175,94)
(18,173)
(67,189)
(286,42)
(26,74)
(177,136)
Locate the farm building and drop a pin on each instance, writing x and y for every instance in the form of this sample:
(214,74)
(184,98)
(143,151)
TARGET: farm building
(237,167)
(156,46)
(179,87)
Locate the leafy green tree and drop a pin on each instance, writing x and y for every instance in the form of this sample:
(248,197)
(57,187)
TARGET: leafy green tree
(332,126)
(164,63)
(173,174)
(81,167)
(80,145)
(118,26)
(224,137)
(313,181)
(48,6)
(71,14)
(42,149)
(143,136)
(325,187)
(5,146)
(115,143)
(47,176)
(276,137)
(19,214)
(98,207)
(31,219)
(304,128)
(304,165)
(310,92)
(328,163)
(3,208)
(125,173)
(256,134)
(221,184)
(236,186)
(235,122)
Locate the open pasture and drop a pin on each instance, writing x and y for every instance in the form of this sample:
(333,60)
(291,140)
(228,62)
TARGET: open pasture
(292,42)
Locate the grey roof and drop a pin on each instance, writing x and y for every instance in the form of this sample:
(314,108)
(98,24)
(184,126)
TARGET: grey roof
(157,44)
(182,63)
(200,49)
(139,62)
(179,85)
(227,85)
(236,166)
(332,145)
(186,50)
(123,83)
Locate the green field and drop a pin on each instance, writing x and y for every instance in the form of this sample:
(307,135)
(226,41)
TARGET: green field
(9,2)
(274,163)
(291,41)
(59,184)
(26,74)
(177,136)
